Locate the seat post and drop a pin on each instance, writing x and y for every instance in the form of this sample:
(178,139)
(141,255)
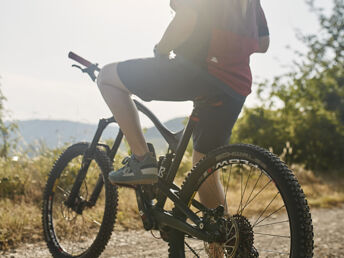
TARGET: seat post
(172,172)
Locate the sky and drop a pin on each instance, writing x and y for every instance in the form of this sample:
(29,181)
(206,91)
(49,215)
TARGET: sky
(35,37)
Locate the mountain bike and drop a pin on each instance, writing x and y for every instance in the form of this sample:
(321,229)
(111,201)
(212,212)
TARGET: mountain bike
(265,212)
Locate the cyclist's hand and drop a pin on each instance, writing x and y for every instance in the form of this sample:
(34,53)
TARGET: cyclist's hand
(157,54)
(174,4)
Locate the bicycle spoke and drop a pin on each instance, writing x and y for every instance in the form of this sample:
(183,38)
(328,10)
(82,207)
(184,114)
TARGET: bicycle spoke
(86,195)
(74,221)
(256,206)
(265,234)
(242,198)
(223,175)
(270,215)
(214,193)
(257,193)
(223,180)
(62,190)
(230,173)
(93,220)
(261,214)
(83,223)
(254,187)
(74,229)
(255,196)
(241,195)
(274,223)
(192,250)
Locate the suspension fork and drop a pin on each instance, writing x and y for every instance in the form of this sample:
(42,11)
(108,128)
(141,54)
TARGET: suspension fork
(100,182)
(73,201)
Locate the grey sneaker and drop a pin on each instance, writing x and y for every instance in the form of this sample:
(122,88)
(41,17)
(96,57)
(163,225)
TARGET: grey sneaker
(136,172)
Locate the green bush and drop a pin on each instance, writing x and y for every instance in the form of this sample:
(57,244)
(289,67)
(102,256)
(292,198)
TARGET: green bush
(305,106)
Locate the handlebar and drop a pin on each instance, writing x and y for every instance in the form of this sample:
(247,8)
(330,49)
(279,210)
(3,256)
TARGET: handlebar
(90,67)
(79,59)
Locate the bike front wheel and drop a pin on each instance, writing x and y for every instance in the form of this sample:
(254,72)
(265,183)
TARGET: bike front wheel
(267,211)
(84,229)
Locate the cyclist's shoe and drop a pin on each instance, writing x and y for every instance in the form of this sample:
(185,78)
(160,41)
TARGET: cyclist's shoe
(136,172)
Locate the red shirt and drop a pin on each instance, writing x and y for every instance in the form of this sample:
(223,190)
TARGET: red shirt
(224,39)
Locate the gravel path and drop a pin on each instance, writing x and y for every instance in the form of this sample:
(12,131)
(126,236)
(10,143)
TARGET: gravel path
(328,229)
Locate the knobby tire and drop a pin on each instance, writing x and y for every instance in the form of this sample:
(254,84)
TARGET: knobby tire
(300,222)
(95,248)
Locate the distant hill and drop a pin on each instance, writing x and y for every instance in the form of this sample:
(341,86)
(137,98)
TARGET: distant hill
(55,133)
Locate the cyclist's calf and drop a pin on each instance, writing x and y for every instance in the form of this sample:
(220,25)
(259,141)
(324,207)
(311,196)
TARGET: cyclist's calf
(118,99)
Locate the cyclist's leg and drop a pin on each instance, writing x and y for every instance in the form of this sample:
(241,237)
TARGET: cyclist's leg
(117,97)
(214,130)
(211,192)
(149,79)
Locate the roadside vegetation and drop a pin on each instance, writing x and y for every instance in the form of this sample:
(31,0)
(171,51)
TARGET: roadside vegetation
(22,182)
(301,120)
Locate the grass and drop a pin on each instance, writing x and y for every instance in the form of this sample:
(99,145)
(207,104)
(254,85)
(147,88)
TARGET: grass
(19,222)
(22,183)
(323,191)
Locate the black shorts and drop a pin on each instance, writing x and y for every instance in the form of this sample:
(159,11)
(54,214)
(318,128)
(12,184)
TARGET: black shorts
(180,80)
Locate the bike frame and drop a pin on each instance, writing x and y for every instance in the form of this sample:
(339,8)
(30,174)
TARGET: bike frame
(166,188)
(153,215)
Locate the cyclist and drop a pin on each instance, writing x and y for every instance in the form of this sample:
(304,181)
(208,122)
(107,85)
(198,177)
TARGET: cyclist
(212,41)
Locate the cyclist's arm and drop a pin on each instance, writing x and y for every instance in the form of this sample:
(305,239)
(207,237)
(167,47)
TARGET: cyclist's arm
(264,43)
(179,29)
(263,30)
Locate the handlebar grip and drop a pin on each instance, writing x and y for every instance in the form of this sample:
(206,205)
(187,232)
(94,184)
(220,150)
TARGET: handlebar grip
(79,59)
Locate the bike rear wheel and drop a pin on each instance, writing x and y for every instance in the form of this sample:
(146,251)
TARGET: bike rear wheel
(78,234)
(265,204)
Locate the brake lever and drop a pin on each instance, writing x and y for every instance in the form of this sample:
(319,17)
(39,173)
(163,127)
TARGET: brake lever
(89,70)
(77,66)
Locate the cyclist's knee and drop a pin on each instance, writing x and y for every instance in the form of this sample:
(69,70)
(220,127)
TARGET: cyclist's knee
(108,75)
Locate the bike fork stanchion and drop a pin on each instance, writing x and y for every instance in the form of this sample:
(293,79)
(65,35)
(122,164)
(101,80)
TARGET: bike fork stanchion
(86,161)
(97,189)
(72,201)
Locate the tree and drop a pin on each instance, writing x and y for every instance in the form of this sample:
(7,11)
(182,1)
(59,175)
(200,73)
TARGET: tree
(5,130)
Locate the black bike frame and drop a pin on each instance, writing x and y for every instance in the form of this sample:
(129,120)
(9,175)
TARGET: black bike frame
(177,143)
(165,186)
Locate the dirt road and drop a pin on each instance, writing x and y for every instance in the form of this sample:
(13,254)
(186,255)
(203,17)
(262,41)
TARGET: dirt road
(328,230)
